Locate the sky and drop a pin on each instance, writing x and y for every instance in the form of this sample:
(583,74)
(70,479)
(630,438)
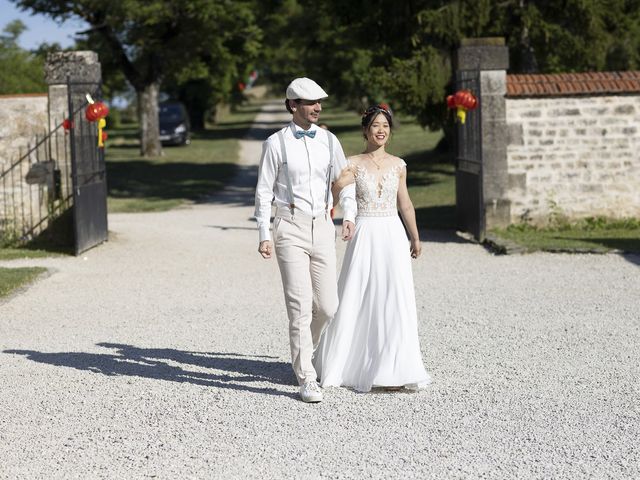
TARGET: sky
(40,28)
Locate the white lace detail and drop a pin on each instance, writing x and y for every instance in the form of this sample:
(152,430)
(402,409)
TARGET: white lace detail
(377,194)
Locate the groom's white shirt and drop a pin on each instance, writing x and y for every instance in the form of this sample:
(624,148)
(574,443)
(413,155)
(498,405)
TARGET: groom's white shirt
(308,161)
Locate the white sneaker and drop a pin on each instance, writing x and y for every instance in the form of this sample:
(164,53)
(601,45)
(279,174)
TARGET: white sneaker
(310,392)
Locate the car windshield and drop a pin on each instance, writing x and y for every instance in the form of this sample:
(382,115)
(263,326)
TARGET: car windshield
(171,113)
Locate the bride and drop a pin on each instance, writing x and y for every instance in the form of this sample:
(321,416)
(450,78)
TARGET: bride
(373,338)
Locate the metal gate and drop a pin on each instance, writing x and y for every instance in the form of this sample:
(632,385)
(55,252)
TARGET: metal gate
(88,172)
(55,192)
(470,215)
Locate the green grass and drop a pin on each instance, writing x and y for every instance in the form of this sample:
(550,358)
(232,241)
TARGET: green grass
(55,240)
(14,278)
(182,175)
(431,174)
(13,253)
(591,234)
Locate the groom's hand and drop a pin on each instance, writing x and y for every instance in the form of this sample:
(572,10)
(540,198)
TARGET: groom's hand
(348,229)
(265,248)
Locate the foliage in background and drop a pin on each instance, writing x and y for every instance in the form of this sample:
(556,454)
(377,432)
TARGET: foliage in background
(401,52)
(227,57)
(22,71)
(151,41)
(362,51)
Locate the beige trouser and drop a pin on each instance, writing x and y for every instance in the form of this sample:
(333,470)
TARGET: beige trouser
(306,251)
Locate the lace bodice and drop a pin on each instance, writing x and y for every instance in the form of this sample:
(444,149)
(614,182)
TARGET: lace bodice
(377,193)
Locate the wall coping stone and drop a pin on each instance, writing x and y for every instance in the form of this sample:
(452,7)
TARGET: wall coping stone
(481,54)
(79,66)
(572,84)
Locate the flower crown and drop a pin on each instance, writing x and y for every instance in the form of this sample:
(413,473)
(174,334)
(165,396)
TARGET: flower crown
(382,107)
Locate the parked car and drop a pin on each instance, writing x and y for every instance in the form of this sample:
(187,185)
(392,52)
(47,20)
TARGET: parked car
(174,124)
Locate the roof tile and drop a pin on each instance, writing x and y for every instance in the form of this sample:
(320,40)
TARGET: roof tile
(563,84)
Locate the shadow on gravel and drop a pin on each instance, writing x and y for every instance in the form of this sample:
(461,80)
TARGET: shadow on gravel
(224,228)
(240,189)
(161,364)
(632,258)
(139,179)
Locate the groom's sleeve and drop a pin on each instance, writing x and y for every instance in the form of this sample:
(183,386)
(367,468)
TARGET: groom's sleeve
(264,189)
(348,193)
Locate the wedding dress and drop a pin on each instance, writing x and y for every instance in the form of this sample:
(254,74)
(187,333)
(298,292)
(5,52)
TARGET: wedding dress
(373,338)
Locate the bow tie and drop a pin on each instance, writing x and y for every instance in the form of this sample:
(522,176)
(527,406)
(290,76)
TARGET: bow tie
(302,133)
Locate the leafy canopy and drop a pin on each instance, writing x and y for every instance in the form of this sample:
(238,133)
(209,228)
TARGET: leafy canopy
(400,51)
(22,71)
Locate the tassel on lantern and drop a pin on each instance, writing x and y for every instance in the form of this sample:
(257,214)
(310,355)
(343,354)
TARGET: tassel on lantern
(97,111)
(102,123)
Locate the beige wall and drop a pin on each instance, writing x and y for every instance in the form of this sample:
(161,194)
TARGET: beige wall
(22,117)
(581,154)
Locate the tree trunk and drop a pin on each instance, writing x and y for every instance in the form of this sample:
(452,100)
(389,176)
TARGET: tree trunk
(149,124)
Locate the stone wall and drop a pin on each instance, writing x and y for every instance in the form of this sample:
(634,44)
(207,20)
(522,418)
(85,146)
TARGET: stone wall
(22,117)
(562,144)
(574,155)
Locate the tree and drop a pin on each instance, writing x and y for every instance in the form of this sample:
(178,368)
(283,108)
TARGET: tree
(400,51)
(22,71)
(211,78)
(148,40)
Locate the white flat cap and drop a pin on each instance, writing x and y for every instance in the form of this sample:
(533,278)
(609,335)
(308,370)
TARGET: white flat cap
(305,89)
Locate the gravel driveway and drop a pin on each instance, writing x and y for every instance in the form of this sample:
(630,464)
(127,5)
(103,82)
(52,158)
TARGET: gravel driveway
(164,354)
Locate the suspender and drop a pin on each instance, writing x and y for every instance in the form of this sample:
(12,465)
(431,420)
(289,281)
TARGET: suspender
(285,170)
(326,195)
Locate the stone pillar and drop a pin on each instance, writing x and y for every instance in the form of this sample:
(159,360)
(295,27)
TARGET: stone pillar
(84,74)
(490,57)
(82,68)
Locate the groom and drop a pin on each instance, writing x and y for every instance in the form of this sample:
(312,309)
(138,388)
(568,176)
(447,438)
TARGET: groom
(298,165)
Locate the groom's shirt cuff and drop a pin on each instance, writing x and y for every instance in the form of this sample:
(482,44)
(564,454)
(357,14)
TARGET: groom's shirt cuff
(264,231)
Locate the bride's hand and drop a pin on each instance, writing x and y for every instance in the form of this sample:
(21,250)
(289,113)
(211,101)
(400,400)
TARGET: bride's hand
(347,176)
(416,248)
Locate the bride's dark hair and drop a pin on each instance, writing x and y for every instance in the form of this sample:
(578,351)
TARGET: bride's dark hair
(371,113)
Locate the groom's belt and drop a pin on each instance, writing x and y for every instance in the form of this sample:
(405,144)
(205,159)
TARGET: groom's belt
(285,212)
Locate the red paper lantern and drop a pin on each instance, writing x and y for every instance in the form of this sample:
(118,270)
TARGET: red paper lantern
(103,110)
(465,99)
(67,124)
(462,101)
(95,111)
(91,112)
